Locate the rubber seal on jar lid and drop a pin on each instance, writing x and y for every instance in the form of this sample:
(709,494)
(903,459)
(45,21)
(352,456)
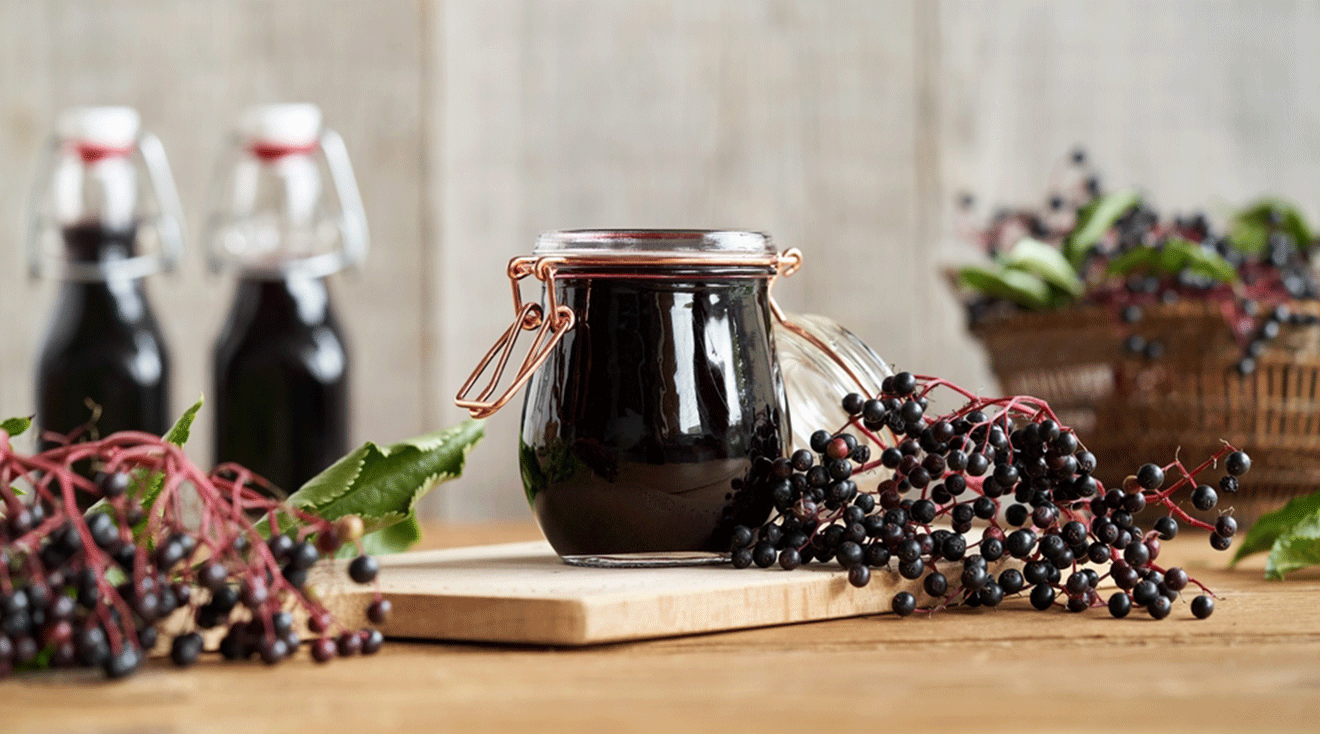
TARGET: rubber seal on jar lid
(659,243)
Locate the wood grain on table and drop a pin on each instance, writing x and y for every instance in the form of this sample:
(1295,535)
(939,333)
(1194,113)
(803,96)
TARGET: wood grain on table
(1254,665)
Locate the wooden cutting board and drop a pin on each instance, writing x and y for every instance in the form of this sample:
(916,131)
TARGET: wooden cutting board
(523,593)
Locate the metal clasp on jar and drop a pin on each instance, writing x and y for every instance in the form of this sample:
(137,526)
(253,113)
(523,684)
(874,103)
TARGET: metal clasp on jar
(530,316)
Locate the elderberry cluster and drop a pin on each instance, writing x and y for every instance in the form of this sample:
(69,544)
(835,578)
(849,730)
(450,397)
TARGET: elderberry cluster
(1269,252)
(95,589)
(1264,329)
(1006,463)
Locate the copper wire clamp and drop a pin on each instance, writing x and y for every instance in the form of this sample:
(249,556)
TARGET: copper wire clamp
(530,316)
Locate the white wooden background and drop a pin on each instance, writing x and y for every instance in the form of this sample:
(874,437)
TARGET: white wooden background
(845,128)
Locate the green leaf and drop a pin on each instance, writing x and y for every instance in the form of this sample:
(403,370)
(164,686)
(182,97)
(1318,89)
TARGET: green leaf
(182,428)
(177,435)
(1171,257)
(1139,257)
(40,662)
(1252,226)
(383,485)
(1093,220)
(1249,237)
(1298,548)
(1038,258)
(1206,262)
(334,480)
(1269,528)
(394,538)
(16,426)
(1020,287)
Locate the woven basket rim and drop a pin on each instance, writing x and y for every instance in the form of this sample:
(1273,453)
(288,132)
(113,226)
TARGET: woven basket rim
(1100,314)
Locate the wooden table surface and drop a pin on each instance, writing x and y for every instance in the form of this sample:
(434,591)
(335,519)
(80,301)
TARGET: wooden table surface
(1254,665)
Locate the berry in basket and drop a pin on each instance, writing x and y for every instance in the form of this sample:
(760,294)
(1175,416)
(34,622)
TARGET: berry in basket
(1152,335)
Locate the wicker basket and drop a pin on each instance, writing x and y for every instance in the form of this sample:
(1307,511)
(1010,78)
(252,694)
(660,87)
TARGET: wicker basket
(1128,410)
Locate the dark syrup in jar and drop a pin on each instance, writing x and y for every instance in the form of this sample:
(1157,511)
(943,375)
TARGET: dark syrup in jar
(653,424)
(281,381)
(103,346)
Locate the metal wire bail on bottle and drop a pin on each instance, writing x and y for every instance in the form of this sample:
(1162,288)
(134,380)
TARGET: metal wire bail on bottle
(168,221)
(530,316)
(350,221)
(353,217)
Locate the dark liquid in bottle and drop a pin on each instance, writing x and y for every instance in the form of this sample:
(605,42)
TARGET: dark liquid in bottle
(652,425)
(104,346)
(281,381)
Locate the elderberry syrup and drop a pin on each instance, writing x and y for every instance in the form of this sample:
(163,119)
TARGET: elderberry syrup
(104,366)
(281,365)
(104,351)
(651,426)
(281,380)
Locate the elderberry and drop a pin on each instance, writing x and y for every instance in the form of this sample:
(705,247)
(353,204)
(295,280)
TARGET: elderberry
(372,640)
(962,467)
(859,575)
(363,569)
(93,589)
(1120,604)
(1237,463)
(1225,526)
(904,604)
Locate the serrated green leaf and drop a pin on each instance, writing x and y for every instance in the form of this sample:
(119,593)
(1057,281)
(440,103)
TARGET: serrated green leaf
(1060,298)
(1040,259)
(16,426)
(1298,548)
(1139,257)
(1020,287)
(1249,237)
(395,538)
(1093,220)
(1169,258)
(335,480)
(1270,527)
(383,485)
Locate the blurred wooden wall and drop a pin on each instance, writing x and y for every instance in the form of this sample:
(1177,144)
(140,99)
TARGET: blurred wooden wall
(845,128)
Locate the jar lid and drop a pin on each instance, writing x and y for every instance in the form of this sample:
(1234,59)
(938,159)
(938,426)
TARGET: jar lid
(816,381)
(754,247)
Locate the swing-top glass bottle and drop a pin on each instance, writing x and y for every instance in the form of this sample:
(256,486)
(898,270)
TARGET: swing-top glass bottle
(281,365)
(103,216)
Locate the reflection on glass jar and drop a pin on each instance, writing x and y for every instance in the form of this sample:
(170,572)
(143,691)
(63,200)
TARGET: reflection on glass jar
(821,362)
(651,423)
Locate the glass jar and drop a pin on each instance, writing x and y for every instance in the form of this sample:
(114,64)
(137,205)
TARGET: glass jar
(821,362)
(655,403)
(654,420)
